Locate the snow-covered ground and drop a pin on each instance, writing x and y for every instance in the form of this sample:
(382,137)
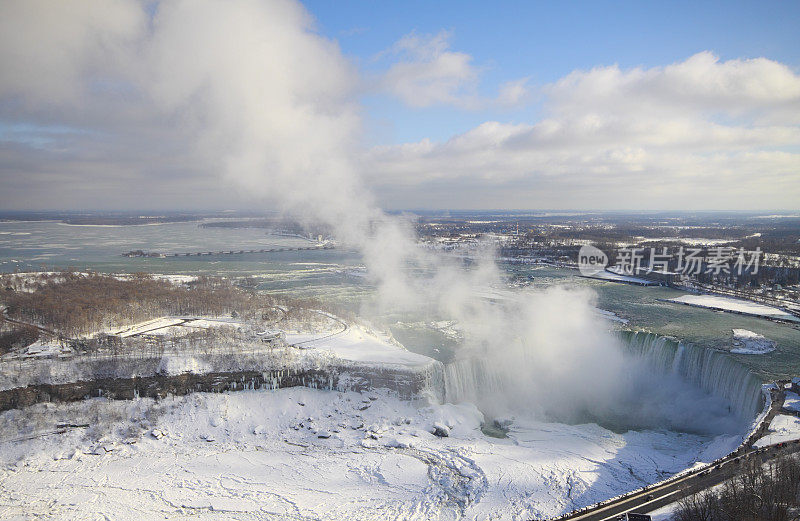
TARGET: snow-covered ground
(750,343)
(782,428)
(792,402)
(664,513)
(357,344)
(165,326)
(621,277)
(300,453)
(331,342)
(735,305)
(46,348)
(27,280)
(690,241)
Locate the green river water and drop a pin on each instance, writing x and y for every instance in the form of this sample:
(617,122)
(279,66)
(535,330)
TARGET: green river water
(337,276)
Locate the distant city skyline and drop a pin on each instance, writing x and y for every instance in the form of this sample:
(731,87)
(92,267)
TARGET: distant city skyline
(574,106)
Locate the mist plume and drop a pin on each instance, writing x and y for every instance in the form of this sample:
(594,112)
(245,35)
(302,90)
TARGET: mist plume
(256,95)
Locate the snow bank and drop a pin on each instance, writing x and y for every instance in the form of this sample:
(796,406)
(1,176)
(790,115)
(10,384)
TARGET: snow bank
(357,344)
(664,513)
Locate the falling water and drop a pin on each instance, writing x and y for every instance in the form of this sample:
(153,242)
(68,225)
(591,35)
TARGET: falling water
(717,374)
(713,371)
(466,379)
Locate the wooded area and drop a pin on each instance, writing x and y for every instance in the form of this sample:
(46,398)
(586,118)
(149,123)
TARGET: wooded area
(15,337)
(74,304)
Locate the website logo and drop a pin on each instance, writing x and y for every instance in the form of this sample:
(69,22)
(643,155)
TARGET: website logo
(591,260)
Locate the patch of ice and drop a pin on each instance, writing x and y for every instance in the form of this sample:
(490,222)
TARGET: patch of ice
(747,307)
(615,276)
(610,315)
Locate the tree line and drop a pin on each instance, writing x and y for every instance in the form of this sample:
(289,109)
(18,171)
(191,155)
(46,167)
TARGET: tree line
(760,492)
(75,304)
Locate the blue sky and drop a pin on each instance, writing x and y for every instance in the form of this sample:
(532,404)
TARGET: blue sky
(546,41)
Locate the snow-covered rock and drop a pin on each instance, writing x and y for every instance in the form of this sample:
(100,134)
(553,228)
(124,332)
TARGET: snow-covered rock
(747,342)
(399,442)
(441,430)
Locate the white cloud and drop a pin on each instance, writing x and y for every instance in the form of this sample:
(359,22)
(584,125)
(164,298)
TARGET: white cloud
(758,89)
(427,72)
(48,48)
(153,108)
(695,134)
(513,93)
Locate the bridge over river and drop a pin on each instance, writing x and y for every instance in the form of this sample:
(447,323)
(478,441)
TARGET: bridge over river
(139,253)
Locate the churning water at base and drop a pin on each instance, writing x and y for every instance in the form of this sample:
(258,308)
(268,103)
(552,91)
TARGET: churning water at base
(682,386)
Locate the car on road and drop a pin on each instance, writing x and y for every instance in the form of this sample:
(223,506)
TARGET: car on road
(630,516)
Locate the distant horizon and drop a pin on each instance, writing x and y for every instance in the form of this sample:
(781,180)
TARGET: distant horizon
(534,211)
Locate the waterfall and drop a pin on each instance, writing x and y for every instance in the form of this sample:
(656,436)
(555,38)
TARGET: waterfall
(467,379)
(714,371)
(479,378)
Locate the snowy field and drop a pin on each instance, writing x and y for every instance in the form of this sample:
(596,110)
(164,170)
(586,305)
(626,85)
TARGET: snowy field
(735,305)
(300,453)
